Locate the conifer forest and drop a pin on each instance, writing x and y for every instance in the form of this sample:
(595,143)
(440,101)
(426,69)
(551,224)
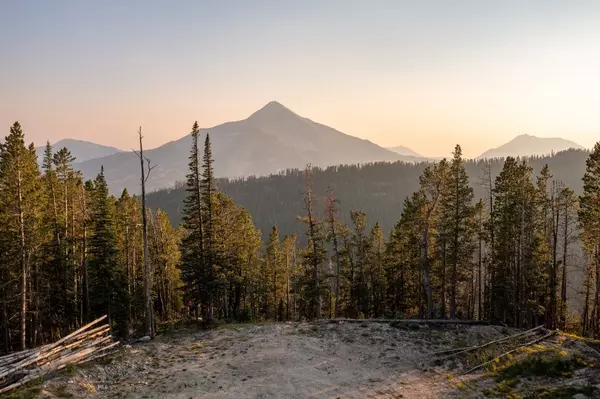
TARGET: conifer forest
(519,247)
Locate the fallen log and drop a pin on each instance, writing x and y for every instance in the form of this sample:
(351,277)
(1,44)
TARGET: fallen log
(510,352)
(476,347)
(409,321)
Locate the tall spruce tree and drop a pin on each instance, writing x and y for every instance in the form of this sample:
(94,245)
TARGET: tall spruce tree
(192,244)
(427,199)
(211,283)
(107,285)
(589,220)
(20,192)
(458,210)
(315,251)
(376,275)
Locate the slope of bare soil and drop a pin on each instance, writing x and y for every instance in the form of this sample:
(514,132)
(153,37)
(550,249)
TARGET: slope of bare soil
(287,360)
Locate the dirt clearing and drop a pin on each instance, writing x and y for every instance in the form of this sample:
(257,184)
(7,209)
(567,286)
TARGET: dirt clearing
(286,360)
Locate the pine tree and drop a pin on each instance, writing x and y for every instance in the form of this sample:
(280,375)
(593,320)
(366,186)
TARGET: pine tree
(427,200)
(130,247)
(20,192)
(289,252)
(376,259)
(107,283)
(65,176)
(589,219)
(403,258)
(314,253)
(273,273)
(457,207)
(192,244)
(211,283)
(360,254)
(568,202)
(331,215)
(165,255)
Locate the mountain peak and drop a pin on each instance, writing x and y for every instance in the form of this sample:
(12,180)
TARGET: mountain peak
(528,145)
(525,136)
(273,110)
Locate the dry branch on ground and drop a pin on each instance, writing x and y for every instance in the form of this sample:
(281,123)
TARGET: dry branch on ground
(82,345)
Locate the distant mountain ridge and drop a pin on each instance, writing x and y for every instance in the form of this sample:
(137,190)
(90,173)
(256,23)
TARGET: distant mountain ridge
(80,149)
(270,140)
(528,145)
(402,150)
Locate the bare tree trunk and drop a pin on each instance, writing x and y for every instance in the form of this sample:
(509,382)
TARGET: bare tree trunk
(491,232)
(331,210)
(287,284)
(86,283)
(518,299)
(596,308)
(444,283)
(552,314)
(23,264)
(5,329)
(563,287)
(426,273)
(586,304)
(147,293)
(454,277)
(479,267)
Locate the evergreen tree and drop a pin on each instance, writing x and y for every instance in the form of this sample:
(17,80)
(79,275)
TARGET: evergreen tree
(314,254)
(360,292)
(427,200)
(20,216)
(107,279)
(568,202)
(273,274)
(164,250)
(192,244)
(458,210)
(211,283)
(589,220)
(376,275)
(331,215)
(403,258)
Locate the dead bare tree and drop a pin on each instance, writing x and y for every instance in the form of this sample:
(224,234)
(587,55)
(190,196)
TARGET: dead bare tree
(147,294)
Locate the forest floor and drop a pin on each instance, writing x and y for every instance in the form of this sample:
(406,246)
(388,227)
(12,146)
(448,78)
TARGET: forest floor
(325,360)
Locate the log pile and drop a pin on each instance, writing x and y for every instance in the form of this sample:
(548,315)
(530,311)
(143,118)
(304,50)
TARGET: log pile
(81,346)
(499,347)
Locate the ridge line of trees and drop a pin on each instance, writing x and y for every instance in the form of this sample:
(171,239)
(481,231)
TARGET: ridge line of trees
(70,251)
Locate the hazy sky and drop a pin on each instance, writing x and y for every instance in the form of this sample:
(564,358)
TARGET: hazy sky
(425,74)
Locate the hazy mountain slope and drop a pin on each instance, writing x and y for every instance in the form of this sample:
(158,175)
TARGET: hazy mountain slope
(378,189)
(402,150)
(270,140)
(81,150)
(526,145)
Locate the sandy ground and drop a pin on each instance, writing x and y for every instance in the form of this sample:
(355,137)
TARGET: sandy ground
(286,360)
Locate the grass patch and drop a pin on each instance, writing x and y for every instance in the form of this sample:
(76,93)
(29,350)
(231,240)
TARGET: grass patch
(69,371)
(544,363)
(31,390)
(537,361)
(61,392)
(559,392)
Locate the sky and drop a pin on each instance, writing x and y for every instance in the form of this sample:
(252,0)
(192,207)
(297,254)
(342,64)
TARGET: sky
(426,74)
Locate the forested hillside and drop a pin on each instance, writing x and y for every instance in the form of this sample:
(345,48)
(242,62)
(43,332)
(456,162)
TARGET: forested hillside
(500,241)
(379,189)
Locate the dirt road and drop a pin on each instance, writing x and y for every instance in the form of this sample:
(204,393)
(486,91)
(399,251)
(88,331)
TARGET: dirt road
(286,360)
